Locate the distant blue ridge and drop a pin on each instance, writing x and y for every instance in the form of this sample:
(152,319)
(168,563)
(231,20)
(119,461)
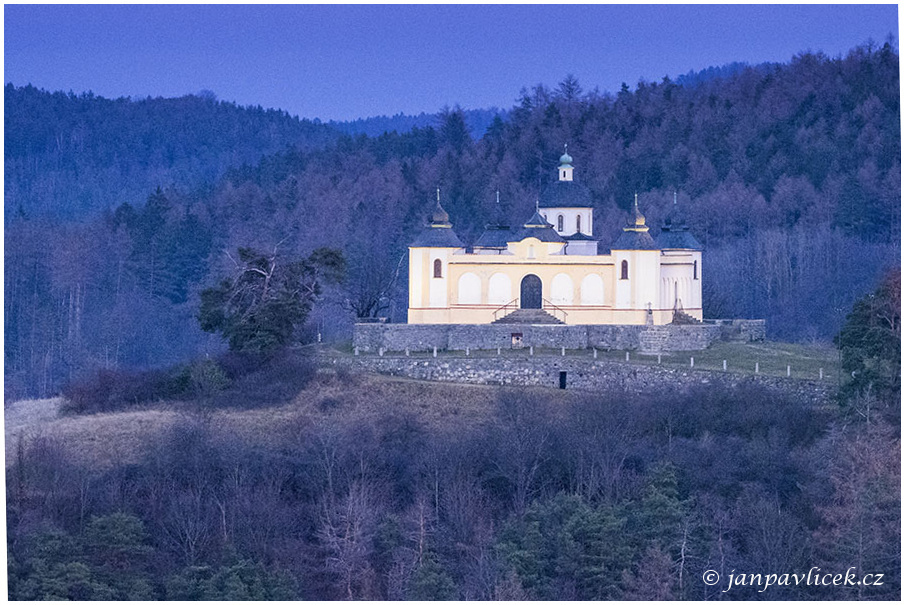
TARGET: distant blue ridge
(477,120)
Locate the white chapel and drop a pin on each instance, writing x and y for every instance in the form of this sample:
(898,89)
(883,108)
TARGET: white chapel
(551,269)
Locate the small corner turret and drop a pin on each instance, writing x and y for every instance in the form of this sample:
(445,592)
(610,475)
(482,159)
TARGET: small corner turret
(440,218)
(675,234)
(439,232)
(635,234)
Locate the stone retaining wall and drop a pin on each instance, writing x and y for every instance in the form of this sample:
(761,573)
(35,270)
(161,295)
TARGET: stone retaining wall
(744,330)
(372,337)
(590,375)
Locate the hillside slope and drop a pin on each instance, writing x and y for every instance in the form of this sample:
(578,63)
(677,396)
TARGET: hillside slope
(105,440)
(69,155)
(378,489)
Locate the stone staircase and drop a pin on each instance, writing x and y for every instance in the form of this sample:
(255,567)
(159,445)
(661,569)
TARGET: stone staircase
(528,316)
(681,318)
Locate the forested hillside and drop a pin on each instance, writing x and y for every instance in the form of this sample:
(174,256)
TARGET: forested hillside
(788,174)
(71,155)
(363,487)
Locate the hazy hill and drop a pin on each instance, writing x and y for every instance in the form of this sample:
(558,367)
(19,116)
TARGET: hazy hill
(693,77)
(477,121)
(71,155)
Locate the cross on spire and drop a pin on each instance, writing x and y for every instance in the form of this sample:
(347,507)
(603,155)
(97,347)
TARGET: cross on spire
(438,195)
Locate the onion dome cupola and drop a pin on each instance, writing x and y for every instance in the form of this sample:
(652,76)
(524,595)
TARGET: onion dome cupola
(565,192)
(439,233)
(635,235)
(674,234)
(538,227)
(497,232)
(565,165)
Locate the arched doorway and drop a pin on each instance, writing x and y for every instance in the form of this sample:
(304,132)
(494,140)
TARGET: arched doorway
(531,293)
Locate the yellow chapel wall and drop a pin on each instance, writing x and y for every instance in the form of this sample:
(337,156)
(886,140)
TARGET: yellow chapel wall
(647,271)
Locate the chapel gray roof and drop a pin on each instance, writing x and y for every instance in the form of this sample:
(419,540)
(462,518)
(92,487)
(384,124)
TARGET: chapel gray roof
(537,220)
(537,226)
(437,237)
(494,236)
(579,236)
(566,194)
(678,239)
(634,240)
(675,234)
(544,234)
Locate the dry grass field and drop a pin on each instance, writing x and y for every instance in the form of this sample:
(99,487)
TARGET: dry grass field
(106,439)
(102,439)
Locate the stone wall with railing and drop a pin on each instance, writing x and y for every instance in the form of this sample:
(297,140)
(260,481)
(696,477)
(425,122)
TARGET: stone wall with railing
(574,373)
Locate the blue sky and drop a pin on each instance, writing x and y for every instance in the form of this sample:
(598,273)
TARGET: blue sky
(342,62)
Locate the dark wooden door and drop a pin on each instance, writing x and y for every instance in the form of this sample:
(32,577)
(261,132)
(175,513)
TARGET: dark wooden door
(531,292)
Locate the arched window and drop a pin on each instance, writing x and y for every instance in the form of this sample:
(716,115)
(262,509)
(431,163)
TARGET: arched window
(695,269)
(438,268)
(624,269)
(559,223)
(499,289)
(578,223)
(561,290)
(592,290)
(469,289)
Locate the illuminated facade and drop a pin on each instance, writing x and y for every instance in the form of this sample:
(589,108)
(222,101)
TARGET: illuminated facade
(549,270)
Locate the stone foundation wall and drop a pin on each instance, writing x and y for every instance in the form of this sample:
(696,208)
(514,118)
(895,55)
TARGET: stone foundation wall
(370,338)
(583,374)
(490,336)
(615,337)
(744,330)
(690,337)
